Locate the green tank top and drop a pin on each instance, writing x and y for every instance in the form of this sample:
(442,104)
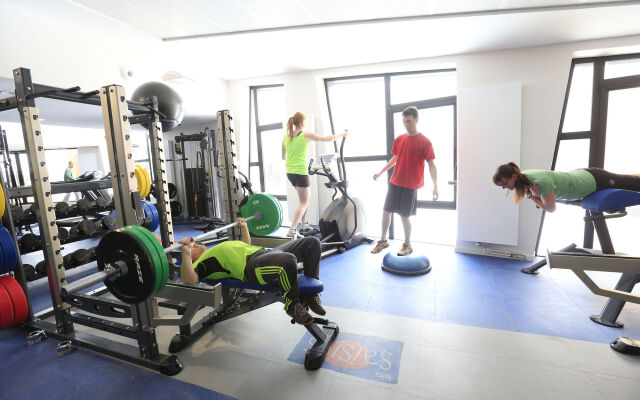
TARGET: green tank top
(232,256)
(296,149)
(574,185)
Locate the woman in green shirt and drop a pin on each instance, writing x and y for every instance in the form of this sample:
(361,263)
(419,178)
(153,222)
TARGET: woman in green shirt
(545,187)
(294,150)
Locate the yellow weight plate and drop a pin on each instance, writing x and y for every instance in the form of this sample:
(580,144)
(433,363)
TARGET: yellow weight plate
(2,205)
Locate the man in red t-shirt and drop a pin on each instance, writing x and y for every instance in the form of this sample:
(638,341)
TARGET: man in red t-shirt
(410,151)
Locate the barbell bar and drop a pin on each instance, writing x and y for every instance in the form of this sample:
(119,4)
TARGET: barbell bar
(118,269)
(257,215)
(133,264)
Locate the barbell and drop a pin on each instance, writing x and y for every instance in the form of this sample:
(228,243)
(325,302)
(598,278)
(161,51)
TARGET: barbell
(133,264)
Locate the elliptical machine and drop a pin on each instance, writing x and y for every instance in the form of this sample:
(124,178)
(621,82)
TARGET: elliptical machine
(342,224)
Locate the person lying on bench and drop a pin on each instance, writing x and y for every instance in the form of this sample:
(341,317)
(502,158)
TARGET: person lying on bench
(240,260)
(545,187)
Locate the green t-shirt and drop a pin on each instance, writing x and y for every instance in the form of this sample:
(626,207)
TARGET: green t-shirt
(573,185)
(226,260)
(296,149)
(69,175)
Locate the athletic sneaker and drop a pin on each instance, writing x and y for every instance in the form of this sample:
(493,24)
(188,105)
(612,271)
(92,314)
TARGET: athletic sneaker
(305,228)
(293,233)
(406,250)
(299,314)
(314,304)
(381,245)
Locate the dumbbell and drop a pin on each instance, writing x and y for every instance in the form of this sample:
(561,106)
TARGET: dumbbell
(41,268)
(62,208)
(109,222)
(68,261)
(30,273)
(17,212)
(63,233)
(81,256)
(85,204)
(29,242)
(85,227)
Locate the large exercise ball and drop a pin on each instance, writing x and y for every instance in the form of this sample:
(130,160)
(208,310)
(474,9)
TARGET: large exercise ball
(169,102)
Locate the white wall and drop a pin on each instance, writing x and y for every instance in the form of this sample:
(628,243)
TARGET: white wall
(91,50)
(543,72)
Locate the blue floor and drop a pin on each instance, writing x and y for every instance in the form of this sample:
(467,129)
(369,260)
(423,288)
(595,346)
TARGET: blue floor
(36,372)
(460,289)
(474,290)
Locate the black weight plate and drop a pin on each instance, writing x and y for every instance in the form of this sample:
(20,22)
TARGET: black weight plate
(138,284)
(173,190)
(81,256)
(109,222)
(62,208)
(176,208)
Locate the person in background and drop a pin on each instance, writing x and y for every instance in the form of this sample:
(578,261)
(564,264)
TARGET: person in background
(545,187)
(410,151)
(70,176)
(294,150)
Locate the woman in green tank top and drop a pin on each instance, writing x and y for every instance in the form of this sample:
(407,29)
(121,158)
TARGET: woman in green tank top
(294,150)
(545,187)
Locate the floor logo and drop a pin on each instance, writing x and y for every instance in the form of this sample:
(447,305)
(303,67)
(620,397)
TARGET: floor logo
(368,357)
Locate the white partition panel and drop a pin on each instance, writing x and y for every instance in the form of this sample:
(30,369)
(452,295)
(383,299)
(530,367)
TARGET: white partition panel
(489,127)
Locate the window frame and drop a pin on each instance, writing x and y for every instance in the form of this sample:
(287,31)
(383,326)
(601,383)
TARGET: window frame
(253,105)
(390,109)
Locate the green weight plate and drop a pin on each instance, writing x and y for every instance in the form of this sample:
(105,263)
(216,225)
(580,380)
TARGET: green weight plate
(139,282)
(157,264)
(271,212)
(164,261)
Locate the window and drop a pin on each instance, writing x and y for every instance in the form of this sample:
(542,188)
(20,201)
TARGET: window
(600,129)
(578,115)
(266,168)
(370,107)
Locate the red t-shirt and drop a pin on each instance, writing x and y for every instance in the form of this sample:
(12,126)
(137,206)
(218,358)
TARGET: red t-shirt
(411,152)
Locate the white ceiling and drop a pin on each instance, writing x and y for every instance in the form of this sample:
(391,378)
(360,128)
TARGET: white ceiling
(169,19)
(270,37)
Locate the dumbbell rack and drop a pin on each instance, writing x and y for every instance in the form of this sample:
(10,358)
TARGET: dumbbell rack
(128,206)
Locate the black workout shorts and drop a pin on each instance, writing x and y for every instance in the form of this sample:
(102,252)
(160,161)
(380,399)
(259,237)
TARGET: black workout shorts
(608,180)
(299,180)
(401,200)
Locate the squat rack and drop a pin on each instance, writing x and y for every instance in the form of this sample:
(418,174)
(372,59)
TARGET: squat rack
(127,202)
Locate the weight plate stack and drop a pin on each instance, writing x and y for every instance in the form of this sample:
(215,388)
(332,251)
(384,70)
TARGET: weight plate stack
(140,281)
(157,262)
(18,299)
(2,202)
(157,244)
(9,252)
